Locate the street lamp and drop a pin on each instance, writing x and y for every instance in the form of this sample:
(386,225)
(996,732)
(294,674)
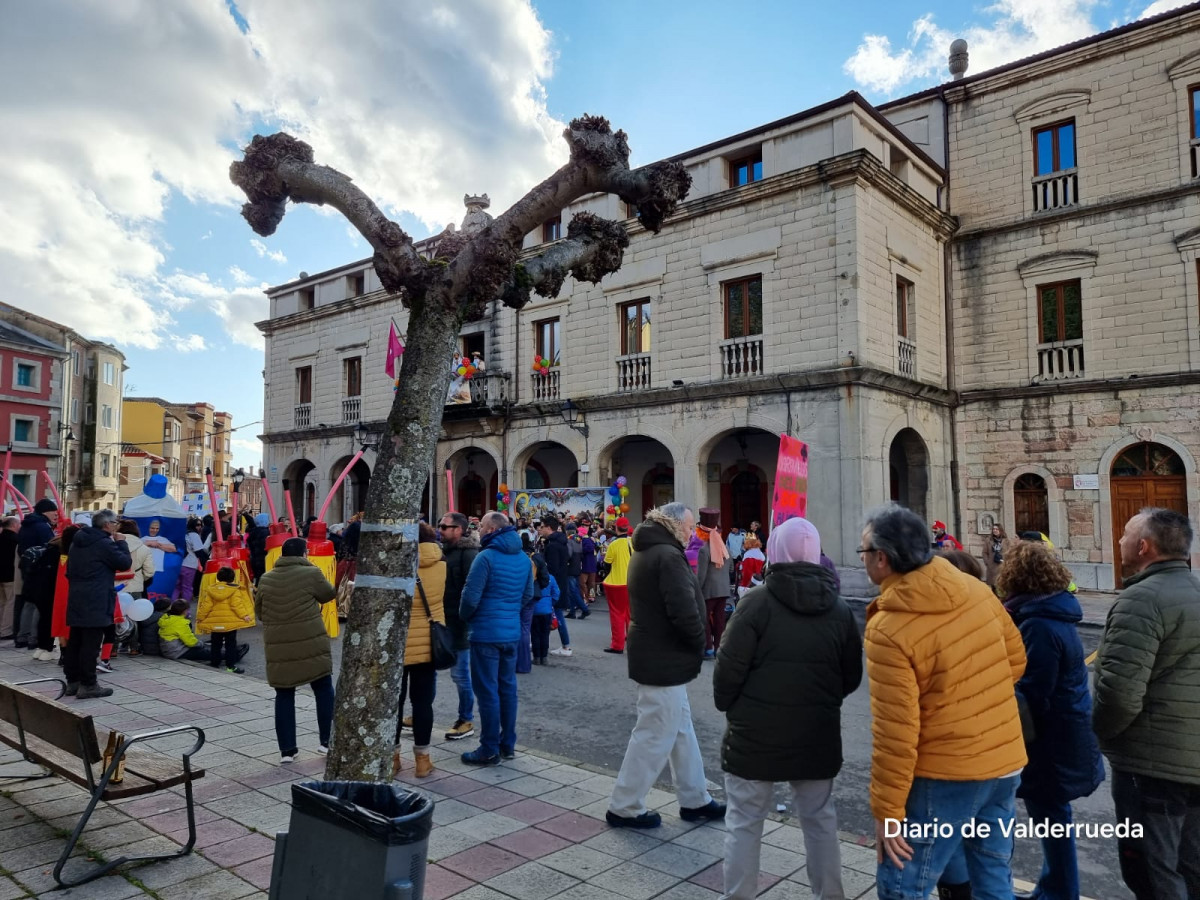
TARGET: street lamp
(572,416)
(365,439)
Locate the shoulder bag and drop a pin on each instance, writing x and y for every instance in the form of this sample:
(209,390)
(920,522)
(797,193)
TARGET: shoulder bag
(440,639)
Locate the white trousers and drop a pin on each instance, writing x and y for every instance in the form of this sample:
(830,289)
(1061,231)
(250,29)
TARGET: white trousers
(663,734)
(748,803)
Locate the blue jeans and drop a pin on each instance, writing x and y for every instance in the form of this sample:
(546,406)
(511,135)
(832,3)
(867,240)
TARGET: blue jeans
(524,654)
(1164,864)
(575,594)
(494,677)
(1060,870)
(560,613)
(461,676)
(955,803)
(285,714)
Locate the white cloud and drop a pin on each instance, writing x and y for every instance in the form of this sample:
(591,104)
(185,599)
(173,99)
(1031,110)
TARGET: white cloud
(405,98)
(240,276)
(189,343)
(1018,28)
(263,250)
(1160,6)
(238,307)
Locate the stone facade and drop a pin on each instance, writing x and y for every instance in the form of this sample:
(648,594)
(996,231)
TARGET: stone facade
(902,255)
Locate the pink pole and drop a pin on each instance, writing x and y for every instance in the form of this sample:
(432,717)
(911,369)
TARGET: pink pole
(212,504)
(262,477)
(8,465)
(449,489)
(19,498)
(287,499)
(57,498)
(333,490)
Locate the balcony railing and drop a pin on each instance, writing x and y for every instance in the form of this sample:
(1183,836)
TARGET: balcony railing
(633,372)
(1056,190)
(303,415)
(544,387)
(488,390)
(1060,360)
(906,357)
(351,410)
(741,357)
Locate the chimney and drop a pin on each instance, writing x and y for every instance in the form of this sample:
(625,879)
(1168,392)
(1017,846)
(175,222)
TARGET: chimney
(958,59)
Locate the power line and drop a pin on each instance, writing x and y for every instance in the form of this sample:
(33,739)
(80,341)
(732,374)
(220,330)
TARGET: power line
(182,440)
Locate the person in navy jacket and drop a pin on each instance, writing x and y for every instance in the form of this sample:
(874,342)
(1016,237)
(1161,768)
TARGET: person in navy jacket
(499,585)
(1064,755)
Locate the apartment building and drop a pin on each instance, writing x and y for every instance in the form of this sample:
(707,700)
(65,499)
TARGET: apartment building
(31,371)
(980,301)
(151,430)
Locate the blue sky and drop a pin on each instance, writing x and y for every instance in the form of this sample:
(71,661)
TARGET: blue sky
(117,217)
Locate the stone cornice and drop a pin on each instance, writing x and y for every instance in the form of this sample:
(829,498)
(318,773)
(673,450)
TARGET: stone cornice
(269,326)
(1095,386)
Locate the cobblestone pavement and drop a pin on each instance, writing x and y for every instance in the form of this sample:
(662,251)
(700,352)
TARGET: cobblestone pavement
(529,829)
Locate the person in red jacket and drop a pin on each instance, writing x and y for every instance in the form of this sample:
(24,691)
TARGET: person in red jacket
(942,540)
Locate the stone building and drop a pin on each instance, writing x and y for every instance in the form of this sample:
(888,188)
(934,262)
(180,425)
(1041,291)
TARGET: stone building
(961,300)
(31,370)
(190,437)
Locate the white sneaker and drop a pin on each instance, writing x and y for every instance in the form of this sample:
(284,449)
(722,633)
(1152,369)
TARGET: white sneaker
(323,749)
(561,651)
(45,655)
(287,759)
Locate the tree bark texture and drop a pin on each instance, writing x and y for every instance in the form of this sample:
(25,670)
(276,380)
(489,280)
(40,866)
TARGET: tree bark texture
(464,274)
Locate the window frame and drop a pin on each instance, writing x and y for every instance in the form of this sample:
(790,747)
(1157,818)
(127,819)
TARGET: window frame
(1053,128)
(552,229)
(905,311)
(726,286)
(35,386)
(749,161)
(75,410)
(356,284)
(540,334)
(306,299)
(1061,311)
(25,367)
(352,376)
(106,416)
(304,385)
(89,414)
(109,373)
(643,304)
(31,438)
(1194,112)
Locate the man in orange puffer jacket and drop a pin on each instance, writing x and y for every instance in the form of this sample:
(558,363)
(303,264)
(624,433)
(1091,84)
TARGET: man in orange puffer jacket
(942,658)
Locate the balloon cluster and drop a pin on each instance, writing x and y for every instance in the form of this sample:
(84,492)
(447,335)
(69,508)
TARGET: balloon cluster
(541,365)
(502,498)
(396,386)
(618,492)
(466,370)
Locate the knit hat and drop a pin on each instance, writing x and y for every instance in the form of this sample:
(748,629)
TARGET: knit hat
(796,540)
(710,517)
(622,524)
(45,505)
(939,526)
(262,519)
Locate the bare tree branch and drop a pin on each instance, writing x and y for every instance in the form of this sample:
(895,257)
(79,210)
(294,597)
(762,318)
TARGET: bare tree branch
(593,248)
(281,168)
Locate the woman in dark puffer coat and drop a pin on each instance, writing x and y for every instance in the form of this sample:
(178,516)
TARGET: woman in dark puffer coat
(1064,755)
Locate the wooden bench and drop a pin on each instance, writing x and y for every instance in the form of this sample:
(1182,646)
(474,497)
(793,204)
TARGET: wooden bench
(67,742)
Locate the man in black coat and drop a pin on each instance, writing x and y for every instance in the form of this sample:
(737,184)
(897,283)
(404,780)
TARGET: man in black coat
(8,571)
(459,549)
(37,530)
(558,555)
(665,651)
(97,553)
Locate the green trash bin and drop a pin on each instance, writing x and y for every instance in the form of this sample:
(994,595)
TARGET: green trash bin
(354,840)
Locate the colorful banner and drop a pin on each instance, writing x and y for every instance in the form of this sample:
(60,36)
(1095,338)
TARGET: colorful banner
(791,481)
(560,501)
(163,524)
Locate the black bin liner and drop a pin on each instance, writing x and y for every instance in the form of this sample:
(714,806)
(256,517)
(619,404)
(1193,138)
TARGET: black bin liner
(382,812)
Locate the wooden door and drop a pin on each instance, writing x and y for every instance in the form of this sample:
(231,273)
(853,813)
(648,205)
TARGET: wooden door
(1132,494)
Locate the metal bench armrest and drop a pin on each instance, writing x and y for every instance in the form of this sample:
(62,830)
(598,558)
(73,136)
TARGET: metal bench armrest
(62,684)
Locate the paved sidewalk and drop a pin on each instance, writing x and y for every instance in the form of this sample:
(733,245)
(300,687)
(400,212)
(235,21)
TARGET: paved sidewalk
(530,829)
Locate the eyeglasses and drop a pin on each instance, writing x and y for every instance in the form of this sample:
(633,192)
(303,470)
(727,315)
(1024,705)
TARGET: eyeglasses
(861,550)
(444,527)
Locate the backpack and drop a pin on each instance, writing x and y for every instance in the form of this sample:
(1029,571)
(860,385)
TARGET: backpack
(29,559)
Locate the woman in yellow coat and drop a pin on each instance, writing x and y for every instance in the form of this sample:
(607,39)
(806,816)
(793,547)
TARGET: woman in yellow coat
(225,606)
(420,677)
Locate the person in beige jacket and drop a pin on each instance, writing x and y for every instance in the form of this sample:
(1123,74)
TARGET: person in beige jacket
(143,559)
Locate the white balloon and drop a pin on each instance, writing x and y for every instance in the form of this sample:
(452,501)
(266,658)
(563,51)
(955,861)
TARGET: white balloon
(141,609)
(126,602)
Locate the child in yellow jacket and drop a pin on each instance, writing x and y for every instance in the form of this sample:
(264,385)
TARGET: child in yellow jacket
(225,606)
(175,637)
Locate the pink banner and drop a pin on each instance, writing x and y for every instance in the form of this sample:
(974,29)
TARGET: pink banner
(791,481)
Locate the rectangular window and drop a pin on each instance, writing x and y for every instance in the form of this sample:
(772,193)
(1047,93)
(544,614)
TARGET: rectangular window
(746,170)
(104,465)
(1054,148)
(110,373)
(89,414)
(304,384)
(904,297)
(91,368)
(356,285)
(743,307)
(75,361)
(635,327)
(20,481)
(106,415)
(1060,312)
(226,445)
(352,370)
(207,440)
(24,431)
(548,346)
(308,298)
(1194,95)
(26,375)
(631,211)
(552,229)
(75,410)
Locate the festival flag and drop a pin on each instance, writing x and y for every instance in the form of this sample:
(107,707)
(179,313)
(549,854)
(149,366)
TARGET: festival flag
(394,349)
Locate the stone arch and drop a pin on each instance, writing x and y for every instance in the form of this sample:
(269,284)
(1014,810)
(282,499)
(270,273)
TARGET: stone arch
(650,469)
(303,479)
(351,495)
(562,464)
(604,457)
(907,470)
(700,450)
(738,478)
(1059,533)
(475,473)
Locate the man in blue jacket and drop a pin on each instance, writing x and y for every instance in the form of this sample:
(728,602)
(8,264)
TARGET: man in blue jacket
(498,586)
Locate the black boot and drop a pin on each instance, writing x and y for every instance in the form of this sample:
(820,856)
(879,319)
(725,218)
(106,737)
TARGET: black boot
(954,891)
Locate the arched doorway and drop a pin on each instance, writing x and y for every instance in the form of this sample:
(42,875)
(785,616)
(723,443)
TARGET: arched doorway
(301,476)
(908,468)
(1146,474)
(549,465)
(658,488)
(351,495)
(739,474)
(476,480)
(649,470)
(1031,504)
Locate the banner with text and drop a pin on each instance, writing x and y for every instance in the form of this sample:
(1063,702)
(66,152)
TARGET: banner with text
(791,481)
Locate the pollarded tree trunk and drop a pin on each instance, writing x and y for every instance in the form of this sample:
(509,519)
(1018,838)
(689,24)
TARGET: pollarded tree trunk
(465,273)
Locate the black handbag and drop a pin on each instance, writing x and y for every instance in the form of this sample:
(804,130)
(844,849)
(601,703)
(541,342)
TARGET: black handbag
(440,639)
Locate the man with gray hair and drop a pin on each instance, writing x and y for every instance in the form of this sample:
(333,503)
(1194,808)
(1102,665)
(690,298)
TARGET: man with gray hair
(665,650)
(98,553)
(943,659)
(1146,707)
